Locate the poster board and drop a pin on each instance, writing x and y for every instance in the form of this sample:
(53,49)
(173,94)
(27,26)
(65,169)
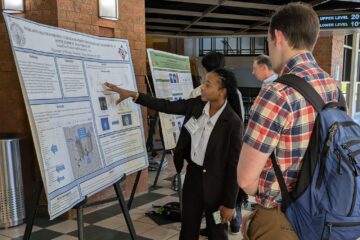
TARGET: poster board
(171,74)
(84,142)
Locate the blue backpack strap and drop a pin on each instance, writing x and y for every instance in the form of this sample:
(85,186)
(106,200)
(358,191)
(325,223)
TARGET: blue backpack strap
(285,195)
(309,93)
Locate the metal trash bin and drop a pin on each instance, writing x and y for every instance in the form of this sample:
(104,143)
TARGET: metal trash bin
(12,204)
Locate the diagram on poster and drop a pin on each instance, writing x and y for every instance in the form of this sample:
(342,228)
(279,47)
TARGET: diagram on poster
(84,142)
(172,79)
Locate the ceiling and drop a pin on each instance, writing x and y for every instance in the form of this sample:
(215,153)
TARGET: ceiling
(195,18)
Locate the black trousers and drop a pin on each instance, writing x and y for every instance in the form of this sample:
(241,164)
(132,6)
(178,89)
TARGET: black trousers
(193,208)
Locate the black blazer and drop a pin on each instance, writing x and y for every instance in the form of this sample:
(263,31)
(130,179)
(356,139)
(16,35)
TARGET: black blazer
(222,152)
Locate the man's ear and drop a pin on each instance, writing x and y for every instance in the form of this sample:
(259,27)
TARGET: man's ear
(279,37)
(264,67)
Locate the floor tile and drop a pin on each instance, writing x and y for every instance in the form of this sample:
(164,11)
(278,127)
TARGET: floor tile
(4,238)
(176,226)
(15,232)
(112,223)
(45,221)
(96,233)
(138,202)
(97,216)
(44,234)
(168,178)
(140,227)
(114,209)
(165,200)
(175,237)
(176,194)
(147,220)
(164,191)
(153,188)
(65,226)
(151,196)
(164,183)
(160,233)
(66,237)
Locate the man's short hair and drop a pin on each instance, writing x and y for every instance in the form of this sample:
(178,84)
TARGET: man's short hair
(264,60)
(299,23)
(213,60)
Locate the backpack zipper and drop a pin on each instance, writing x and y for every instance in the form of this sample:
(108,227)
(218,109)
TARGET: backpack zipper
(353,198)
(331,225)
(342,224)
(325,152)
(355,174)
(351,143)
(338,155)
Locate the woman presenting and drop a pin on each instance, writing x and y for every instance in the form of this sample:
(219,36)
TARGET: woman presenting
(210,140)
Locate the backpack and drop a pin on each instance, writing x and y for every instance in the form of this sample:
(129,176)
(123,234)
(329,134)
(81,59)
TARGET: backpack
(170,211)
(325,203)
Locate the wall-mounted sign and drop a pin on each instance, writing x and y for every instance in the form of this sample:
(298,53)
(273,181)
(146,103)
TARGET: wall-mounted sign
(340,21)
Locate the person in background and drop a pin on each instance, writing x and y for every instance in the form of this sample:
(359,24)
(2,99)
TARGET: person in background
(210,140)
(262,70)
(211,61)
(281,121)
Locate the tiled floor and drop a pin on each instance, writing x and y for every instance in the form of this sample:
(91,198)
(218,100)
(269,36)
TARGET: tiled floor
(108,223)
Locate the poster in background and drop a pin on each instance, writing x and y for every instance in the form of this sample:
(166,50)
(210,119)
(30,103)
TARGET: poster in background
(84,142)
(172,80)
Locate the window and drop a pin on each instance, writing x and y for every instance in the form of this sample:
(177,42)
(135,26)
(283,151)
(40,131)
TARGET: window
(231,46)
(219,44)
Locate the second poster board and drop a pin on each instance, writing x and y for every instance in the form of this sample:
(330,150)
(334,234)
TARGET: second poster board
(172,80)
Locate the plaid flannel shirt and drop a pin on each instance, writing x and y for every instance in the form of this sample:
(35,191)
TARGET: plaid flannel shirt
(281,120)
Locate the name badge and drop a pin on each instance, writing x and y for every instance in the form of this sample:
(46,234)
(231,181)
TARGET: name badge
(217,217)
(192,125)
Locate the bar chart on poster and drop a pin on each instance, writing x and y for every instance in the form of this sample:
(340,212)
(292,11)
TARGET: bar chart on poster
(84,142)
(172,80)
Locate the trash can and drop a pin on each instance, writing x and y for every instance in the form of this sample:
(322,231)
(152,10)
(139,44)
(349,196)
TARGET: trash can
(12,204)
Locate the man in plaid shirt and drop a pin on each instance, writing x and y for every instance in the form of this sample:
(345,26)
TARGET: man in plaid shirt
(281,120)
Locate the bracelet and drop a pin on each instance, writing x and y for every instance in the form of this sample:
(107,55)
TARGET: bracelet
(136,97)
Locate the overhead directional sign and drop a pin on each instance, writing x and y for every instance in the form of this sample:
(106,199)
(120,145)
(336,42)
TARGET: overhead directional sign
(340,21)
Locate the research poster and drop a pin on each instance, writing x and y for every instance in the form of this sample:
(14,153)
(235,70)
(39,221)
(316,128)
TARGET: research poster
(84,141)
(172,79)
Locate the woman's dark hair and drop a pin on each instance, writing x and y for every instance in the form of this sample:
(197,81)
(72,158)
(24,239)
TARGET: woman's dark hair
(228,81)
(213,60)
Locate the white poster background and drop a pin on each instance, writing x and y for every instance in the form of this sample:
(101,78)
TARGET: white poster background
(84,142)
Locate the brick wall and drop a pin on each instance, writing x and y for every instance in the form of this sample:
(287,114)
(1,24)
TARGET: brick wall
(81,16)
(329,51)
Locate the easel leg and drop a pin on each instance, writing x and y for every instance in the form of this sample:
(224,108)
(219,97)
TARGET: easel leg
(159,169)
(30,223)
(80,222)
(134,189)
(125,211)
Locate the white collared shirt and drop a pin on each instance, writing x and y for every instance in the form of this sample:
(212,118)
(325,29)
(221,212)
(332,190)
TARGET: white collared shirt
(269,79)
(200,139)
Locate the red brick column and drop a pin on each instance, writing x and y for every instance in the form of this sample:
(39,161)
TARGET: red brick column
(329,52)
